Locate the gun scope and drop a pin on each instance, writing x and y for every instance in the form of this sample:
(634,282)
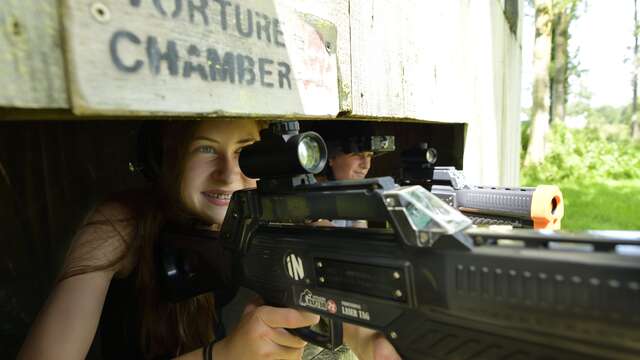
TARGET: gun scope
(283,153)
(420,154)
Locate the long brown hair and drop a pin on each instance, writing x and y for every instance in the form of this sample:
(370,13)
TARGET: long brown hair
(164,328)
(168,328)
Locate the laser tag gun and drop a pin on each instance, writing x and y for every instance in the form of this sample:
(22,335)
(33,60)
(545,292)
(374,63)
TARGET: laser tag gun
(435,287)
(541,207)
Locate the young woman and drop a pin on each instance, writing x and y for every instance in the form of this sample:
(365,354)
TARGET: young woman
(108,282)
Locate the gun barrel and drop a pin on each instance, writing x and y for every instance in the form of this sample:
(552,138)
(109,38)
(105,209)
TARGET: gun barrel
(542,206)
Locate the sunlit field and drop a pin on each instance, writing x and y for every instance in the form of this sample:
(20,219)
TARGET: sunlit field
(602,205)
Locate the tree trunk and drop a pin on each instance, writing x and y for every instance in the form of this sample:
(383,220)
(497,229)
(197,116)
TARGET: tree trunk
(635,128)
(560,61)
(540,107)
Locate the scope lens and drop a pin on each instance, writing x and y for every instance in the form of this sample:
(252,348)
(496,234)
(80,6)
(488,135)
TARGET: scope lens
(309,154)
(431,155)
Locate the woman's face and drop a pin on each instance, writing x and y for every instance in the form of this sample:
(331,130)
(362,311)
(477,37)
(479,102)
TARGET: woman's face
(211,171)
(354,166)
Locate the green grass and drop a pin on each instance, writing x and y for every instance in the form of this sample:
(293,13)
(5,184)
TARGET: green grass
(607,205)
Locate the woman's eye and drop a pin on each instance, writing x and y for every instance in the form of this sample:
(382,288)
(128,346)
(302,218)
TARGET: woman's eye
(206,149)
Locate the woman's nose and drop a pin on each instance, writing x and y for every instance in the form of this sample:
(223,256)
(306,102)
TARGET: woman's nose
(228,168)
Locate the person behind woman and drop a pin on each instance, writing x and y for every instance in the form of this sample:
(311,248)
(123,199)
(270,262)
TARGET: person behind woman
(108,281)
(349,146)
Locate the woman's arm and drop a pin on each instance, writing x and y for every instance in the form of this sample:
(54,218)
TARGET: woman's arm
(65,326)
(67,323)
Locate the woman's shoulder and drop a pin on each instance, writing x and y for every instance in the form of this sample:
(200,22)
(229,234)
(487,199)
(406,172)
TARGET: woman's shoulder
(117,215)
(107,238)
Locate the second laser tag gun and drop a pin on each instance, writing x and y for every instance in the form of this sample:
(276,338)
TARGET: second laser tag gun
(540,207)
(436,288)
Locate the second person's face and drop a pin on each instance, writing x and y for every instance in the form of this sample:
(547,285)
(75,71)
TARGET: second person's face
(211,171)
(354,166)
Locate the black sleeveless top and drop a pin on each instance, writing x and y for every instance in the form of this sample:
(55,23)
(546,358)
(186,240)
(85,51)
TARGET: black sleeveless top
(118,331)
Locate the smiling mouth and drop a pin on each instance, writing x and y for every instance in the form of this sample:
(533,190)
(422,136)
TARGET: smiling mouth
(218,199)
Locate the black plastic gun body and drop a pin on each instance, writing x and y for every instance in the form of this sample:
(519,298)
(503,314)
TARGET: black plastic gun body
(455,294)
(435,287)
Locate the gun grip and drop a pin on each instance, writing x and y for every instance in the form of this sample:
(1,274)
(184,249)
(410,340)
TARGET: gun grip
(331,339)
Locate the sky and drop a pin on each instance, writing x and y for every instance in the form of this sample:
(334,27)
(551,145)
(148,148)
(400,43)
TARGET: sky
(603,37)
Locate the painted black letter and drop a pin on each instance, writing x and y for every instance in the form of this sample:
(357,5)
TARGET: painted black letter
(283,74)
(264,72)
(263,28)
(249,22)
(113,47)
(246,70)
(277,33)
(223,13)
(201,9)
(223,70)
(189,67)
(176,10)
(156,56)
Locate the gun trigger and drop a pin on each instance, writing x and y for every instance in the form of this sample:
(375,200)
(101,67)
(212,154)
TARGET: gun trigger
(330,337)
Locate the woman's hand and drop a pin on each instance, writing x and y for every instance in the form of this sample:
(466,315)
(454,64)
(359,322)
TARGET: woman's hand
(368,344)
(262,334)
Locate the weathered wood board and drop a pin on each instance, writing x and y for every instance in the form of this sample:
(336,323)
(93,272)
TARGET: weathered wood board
(31,63)
(439,61)
(199,57)
(408,59)
(337,12)
(444,61)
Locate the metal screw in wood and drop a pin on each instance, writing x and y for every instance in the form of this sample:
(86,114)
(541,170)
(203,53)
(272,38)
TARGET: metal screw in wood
(100,12)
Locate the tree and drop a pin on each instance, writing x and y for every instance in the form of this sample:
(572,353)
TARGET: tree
(541,60)
(635,128)
(551,65)
(564,12)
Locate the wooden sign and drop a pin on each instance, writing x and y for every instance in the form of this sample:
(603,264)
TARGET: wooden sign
(190,57)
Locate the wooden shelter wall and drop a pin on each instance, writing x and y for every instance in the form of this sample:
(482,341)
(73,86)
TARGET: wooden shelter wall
(51,174)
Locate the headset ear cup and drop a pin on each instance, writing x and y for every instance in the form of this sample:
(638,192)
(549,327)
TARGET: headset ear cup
(150,150)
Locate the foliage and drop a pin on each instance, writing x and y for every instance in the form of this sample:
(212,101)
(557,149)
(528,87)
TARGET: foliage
(604,205)
(598,171)
(609,114)
(585,155)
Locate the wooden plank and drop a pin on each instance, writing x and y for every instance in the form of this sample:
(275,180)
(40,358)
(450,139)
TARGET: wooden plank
(337,12)
(492,145)
(32,73)
(407,60)
(181,57)
(511,140)
(442,61)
